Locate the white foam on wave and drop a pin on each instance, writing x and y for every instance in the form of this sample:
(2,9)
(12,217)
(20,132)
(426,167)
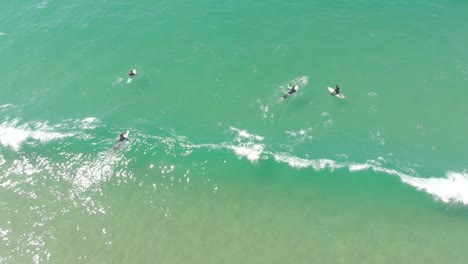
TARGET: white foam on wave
(13,133)
(300,163)
(251,151)
(453,188)
(2,34)
(88,123)
(359,167)
(244,145)
(12,137)
(244,134)
(247,145)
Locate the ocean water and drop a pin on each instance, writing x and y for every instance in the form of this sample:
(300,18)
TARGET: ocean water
(217,169)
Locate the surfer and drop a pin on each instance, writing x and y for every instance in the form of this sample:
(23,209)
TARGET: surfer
(336,91)
(132,73)
(291,91)
(122,138)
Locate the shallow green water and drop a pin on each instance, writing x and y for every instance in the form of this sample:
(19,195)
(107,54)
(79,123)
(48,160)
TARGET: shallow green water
(217,168)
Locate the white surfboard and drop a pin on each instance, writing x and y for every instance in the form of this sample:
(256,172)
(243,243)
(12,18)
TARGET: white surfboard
(337,95)
(125,135)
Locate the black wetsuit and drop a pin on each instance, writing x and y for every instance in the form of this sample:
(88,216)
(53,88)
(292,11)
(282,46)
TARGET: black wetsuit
(291,91)
(119,144)
(337,90)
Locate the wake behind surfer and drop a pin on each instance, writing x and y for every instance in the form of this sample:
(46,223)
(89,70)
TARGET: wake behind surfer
(291,91)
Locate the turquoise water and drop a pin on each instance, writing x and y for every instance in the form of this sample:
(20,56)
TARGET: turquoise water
(217,168)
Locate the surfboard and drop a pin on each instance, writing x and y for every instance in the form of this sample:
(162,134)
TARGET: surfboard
(337,95)
(125,135)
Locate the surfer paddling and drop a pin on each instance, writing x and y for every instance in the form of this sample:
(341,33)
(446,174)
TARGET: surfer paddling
(132,73)
(122,138)
(291,91)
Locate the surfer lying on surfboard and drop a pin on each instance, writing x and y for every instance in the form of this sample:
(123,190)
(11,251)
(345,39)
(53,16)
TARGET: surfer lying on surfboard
(291,91)
(132,73)
(122,138)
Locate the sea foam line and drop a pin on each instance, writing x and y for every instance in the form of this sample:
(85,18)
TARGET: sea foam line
(13,134)
(453,188)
